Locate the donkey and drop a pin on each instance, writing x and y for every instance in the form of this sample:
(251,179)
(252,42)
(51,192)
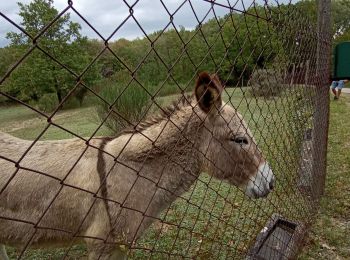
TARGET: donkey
(108,192)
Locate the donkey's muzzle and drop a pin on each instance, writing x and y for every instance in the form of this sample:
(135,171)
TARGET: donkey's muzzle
(262,183)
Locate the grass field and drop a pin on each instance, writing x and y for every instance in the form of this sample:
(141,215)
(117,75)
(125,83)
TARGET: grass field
(219,222)
(330,235)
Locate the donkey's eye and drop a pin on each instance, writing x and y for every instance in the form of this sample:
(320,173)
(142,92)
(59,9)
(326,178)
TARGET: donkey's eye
(240,140)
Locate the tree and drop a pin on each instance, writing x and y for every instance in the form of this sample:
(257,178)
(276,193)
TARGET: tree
(340,16)
(39,75)
(340,20)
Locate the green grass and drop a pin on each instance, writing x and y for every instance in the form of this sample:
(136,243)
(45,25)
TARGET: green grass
(330,236)
(27,124)
(219,222)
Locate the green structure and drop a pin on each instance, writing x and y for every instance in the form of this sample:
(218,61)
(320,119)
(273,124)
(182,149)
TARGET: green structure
(342,61)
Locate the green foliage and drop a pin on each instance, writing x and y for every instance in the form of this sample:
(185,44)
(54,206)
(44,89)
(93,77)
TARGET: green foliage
(132,100)
(176,56)
(340,10)
(167,89)
(129,102)
(340,18)
(47,103)
(9,55)
(235,46)
(39,75)
(3,100)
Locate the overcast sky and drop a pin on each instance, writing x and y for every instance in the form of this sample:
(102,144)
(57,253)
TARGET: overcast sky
(107,15)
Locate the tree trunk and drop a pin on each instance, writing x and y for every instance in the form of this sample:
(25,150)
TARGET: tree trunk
(59,94)
(58,91)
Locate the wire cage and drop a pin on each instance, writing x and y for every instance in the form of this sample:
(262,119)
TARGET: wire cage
(203,142)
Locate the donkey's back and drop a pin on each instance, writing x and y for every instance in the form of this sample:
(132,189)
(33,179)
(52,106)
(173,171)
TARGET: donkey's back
(30,187)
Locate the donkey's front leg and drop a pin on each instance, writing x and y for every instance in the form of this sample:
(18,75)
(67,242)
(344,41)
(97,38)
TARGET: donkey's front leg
(3,255)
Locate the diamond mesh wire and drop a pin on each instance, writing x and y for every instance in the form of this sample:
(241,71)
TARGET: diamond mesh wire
(175,199)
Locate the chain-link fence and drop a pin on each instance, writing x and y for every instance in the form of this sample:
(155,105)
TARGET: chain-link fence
(224,164)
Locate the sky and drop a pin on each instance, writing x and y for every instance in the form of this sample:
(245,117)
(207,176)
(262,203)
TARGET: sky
(107,15)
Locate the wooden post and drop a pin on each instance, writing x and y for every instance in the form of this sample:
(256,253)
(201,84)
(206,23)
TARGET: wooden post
(321,101)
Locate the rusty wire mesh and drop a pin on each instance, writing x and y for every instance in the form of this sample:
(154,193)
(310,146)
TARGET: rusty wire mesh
(211,219)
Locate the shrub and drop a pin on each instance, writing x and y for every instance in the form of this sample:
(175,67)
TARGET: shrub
(3,100)
(266,83)
(166,90)
(71,102)
(47,103)
(131,104)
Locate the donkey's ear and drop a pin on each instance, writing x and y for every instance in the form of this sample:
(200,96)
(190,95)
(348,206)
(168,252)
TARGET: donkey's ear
(208,91)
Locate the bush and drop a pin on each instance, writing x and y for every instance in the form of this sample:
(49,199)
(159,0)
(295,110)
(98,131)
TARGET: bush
(166,90)
(4,100)
(131,105)
(47,103)
(266,83)
(71,102)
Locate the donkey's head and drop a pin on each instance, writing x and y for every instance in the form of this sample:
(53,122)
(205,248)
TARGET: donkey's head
(231,152)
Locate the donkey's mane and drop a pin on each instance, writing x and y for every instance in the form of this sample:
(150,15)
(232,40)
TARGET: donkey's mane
(162,114)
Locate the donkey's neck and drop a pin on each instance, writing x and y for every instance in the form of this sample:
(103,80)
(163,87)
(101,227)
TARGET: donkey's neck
(166,151)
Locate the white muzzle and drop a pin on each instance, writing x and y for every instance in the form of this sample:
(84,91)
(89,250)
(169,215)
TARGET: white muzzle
(262,183)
